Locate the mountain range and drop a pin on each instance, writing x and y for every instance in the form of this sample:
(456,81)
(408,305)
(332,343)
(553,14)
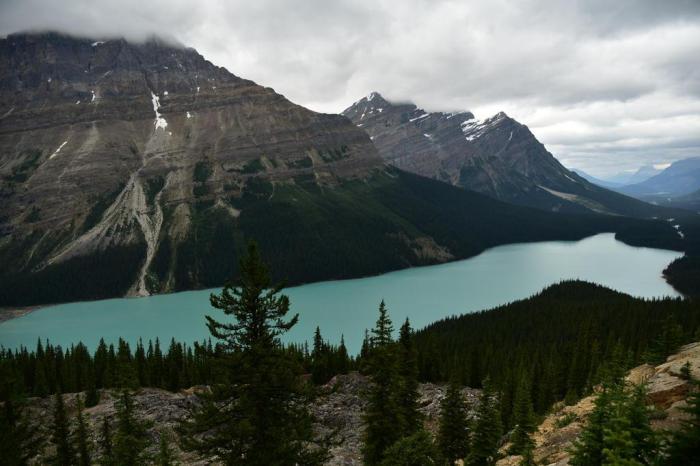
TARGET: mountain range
(681,178)
(138,168)
(497,156)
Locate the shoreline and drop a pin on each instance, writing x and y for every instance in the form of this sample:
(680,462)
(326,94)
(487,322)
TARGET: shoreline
(10,313)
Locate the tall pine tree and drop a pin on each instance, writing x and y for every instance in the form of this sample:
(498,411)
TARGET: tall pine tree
(82,439)
(523,419)
(407,398)
(19,440)
(130,437)
(382,416)
(60,435)
(684,446)
(453,433)
(487,430)
(257,416)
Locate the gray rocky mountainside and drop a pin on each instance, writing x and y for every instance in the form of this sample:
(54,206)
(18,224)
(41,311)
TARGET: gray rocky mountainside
(137,168)
(497,156)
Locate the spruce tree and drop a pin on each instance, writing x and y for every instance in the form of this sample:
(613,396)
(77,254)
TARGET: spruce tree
(523,419)
(268,423)
(343,358)
(487,430)
(81,437)
(618,430)
(130,437)
(417,449)
(453,433)
(60,434)
(644,439)
(383,414)
(588,447)
(106,443)
(19,441)
(684,446)
(408,383)
(319,360)
(165,455)
(528,458)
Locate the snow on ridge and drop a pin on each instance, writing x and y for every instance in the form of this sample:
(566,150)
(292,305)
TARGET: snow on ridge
(94,96)
(58,150)
(420,117)
(678,230)
(189,115)
(474,129)
(160,121)
(99,42)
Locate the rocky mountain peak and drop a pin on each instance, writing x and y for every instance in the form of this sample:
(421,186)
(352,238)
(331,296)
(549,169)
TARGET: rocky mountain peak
(496,156)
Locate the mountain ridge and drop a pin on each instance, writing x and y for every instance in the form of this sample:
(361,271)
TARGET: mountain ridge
(497,156)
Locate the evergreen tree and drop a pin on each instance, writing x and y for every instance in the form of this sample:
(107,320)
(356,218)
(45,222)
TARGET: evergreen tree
(684,446)
(165,455)
(19,441)
(130,438)
(618,430)
(106,444)
(528,458)
(588,448)
(383,415)
(487,430)
(644,440)
(408,383)
(453,433)
(415,450)
(268,423)
(686,371)
(60,435)
(523,418)
(343,358)
(320,372)
(81,437)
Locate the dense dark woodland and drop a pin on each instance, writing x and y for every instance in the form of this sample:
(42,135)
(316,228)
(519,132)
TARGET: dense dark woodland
(560,339)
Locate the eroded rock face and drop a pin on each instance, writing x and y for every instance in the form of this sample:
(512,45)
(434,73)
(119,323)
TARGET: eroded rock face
(109,144)
(497,156)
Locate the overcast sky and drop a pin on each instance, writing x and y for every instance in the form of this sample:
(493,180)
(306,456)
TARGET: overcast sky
(606,85)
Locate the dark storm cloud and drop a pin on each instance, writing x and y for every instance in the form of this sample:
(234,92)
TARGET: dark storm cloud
(605,85)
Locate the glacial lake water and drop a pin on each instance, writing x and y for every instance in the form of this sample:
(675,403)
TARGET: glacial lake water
(424,294)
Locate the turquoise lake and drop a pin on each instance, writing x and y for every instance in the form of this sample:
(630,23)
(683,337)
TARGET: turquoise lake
(424,294)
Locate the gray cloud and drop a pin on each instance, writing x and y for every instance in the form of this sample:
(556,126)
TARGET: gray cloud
(605,85)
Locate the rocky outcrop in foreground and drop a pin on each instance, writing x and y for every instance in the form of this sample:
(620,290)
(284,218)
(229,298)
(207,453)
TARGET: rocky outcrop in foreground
(338,408)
